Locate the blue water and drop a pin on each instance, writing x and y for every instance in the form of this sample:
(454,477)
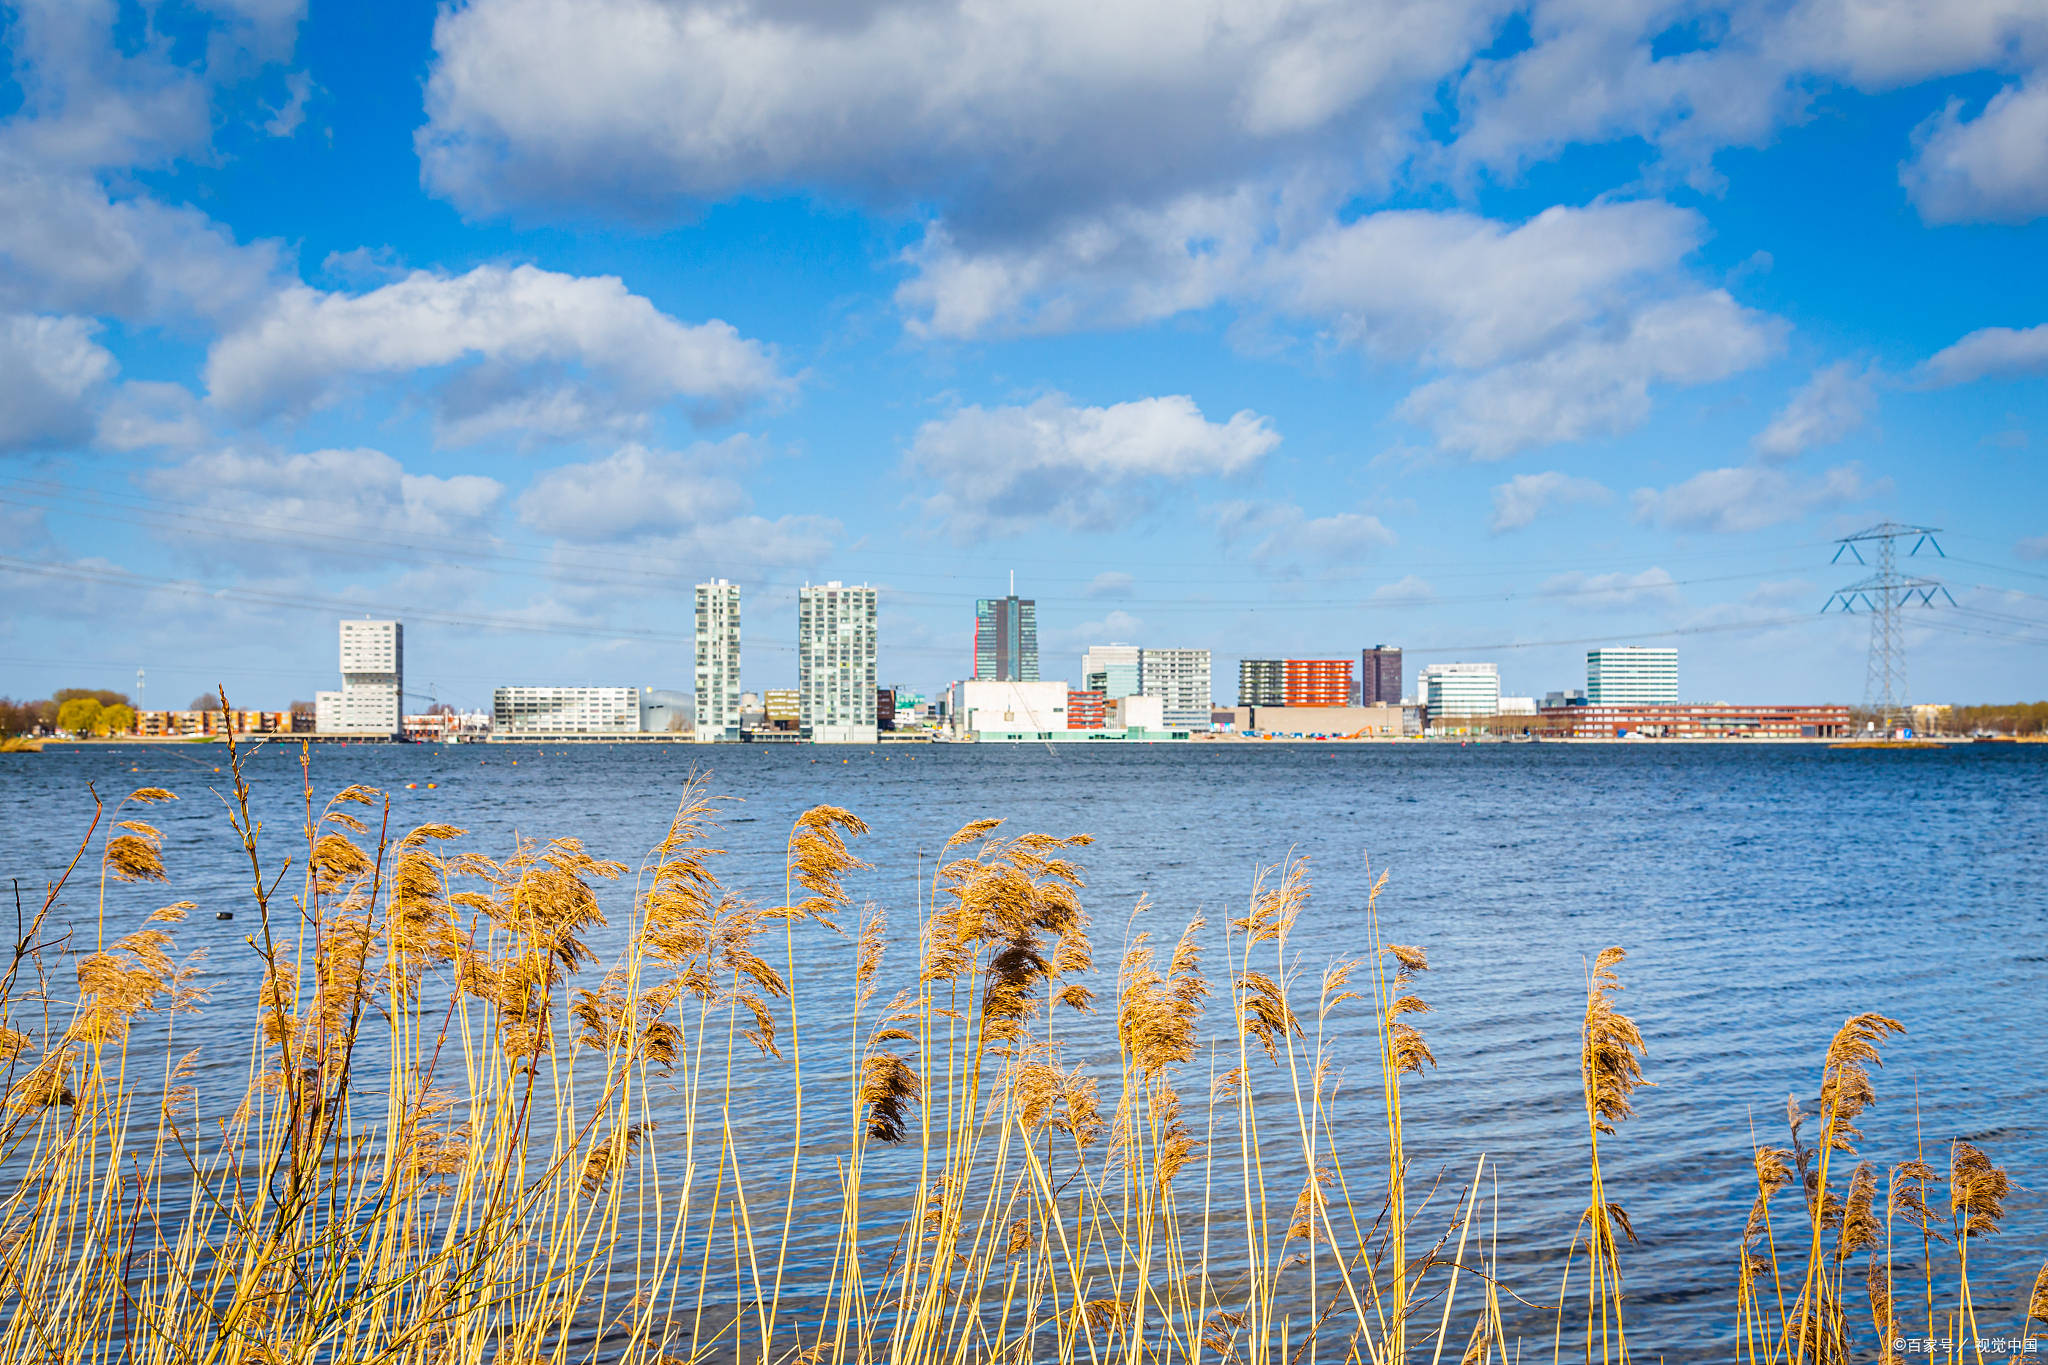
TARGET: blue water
(1763,895)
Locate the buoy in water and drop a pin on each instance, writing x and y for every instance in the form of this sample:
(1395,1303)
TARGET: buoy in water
(432,785)
(410,785)
(223,914)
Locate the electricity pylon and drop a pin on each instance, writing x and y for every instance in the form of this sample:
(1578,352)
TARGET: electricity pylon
(1882,594)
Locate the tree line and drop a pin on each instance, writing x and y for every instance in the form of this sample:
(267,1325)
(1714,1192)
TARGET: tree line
(87,711)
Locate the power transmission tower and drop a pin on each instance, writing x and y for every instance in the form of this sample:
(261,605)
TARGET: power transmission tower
(1883,594)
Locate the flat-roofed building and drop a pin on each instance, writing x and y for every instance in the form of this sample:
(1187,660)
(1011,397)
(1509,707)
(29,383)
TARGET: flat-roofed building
(1006,639)
(1261,682)
(1455,691)
(718,661)
(1180,679)
(371,700)
(1380,676)
(836,662)
(1113,670)
(1085,710)
(1714,721)
(1316,682)
(995,708)
(1632,675)
(565,711)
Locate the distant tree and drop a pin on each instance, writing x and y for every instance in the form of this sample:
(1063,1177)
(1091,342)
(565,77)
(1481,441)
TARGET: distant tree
(205,701)
(303,708)
(79,715)
(16,717)
(103,696)
(118,719)
(440,708)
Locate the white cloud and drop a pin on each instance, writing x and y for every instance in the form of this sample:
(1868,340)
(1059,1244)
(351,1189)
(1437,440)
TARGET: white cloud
(547,354)
(1748,498)
(142,414)
(1525,497)
(336,492)
(1612,589)
(1408,591)
(901,101)
(2035,547)
(1282,535)
(1109,584)
(1991,353)
(1834,403)
(636,491)
(1989,169)
(51,372)
(1000,470)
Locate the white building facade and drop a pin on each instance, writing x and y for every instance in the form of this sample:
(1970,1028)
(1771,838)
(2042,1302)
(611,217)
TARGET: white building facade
(1000,709)
(718,661)
(372,696)
(1459,690)
(565,711)
(1115,668)
(1180,679)
(1632,676)
(835,662)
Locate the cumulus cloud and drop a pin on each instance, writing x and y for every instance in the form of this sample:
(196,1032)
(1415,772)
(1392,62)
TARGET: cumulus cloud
(1989,169)
(555,102)
(1283,535)
(144,414)
(636,491)
(335,492)
(1549,330)
(1612,589)
(1525,497)
(1001,470)
(1411,590)
(1836,402)
(1991,353)
(1748,498)
(542,353)
(51,373)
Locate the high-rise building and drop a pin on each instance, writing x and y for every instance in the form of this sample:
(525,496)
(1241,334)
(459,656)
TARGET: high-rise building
(1380,676)
(1261,682)
(1006,639)
(1632,676)
(1180,679)
(1457,690)
(1112,670)
(718,661)
(371,699)
(835,662)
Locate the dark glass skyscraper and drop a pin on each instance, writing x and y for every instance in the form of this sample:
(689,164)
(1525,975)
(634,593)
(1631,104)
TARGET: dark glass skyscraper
(1006,639)
(1380,677)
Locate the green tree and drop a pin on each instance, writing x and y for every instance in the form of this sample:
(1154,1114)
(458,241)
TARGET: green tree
(104,696)
(117,719)
(79,715)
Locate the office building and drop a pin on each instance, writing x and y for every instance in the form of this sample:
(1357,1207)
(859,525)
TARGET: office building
(835,660)
(718,661)
(1180,679)
(370,702)
(1261,682)
(885,708)
(1144,715)
(1112,670)
(1451,691)
(1717,721)
(782,709)
(1006,639)
(1632,676)
(564,711)
(1380,676)
(664,711)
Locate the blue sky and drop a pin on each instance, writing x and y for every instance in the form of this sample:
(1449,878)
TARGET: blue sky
(1493,330)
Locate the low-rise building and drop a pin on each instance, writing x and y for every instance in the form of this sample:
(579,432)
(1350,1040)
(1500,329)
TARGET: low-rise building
(1716,721)
(1459,691)
(530,711)
(1085,710)
(995,708)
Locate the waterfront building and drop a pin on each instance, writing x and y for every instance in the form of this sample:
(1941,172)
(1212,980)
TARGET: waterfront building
(1085,710)
(565,711)
(371,700)
(1112,670)
(1140,713)
(1571,696)
(1334,722)
(1517,706)
(1006,639)
(718,661)
(1261,682)
(782,709)
(1459,690)
(1716,721)
(885,708)
(836,662)
(665,711)
(1380,676)
(1632,676)
(1180,679)
(995,708)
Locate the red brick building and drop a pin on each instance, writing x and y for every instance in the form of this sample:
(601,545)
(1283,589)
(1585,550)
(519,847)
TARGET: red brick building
(1689,722)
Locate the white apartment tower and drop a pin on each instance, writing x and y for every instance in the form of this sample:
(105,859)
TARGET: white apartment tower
(1460,690)
(1180,679)
(1632,676)
(371,699)
(835,663)
(718,661)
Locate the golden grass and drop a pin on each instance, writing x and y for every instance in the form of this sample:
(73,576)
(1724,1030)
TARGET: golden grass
(461,1137)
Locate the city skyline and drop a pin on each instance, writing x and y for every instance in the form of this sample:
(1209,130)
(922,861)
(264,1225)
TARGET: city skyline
(324,312)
